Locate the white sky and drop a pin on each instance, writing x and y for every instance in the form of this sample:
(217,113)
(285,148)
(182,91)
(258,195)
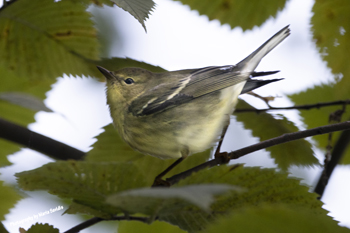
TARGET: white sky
(178,38)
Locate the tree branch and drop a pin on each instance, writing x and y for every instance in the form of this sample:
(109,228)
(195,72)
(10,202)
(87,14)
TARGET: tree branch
(262,145)
(85,224)
(95,220)
(337,153)
(38,142)
(305,107)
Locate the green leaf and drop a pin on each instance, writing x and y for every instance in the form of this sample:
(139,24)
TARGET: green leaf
(275,219)
(331,34)
(6,149)
(76,208)
(40,228)
(86,183)
(45,34)
(244,14)
(34,41)
(152,201)
(16,114)
(110,147)
(8,198)
(12,83)
(140,9)
(2,228)
(263,186)
(319,117)
(156,226)
(265,126)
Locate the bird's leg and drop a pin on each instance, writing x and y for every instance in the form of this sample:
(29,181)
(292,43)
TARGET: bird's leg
(222,155)
(158,181)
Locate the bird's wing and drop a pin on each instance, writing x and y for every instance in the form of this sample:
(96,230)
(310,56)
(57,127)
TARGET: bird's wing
(199,82)
(187,87)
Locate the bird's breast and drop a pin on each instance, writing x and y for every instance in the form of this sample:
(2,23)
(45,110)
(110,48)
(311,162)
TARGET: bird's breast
(193,126)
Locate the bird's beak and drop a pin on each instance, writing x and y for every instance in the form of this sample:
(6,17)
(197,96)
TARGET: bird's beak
(108,74)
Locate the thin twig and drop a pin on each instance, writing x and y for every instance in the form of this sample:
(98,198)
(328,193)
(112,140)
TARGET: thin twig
(290,137)
(95,220)
(300,107)
(262,145)
(38,142)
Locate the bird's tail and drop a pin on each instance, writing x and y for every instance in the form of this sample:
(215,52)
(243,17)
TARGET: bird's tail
(249,63)
(252,84)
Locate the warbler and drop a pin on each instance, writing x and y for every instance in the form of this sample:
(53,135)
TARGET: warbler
(178,113)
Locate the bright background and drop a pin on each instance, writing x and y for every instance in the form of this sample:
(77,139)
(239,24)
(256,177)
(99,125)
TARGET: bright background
(178,38)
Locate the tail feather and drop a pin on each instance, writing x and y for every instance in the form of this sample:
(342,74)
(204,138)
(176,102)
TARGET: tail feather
(251,62)
(252,84)
(263,73)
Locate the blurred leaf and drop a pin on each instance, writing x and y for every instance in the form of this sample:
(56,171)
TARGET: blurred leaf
(157,201)
(85,182)
(331,34)
(42,228)
(24,100)
(236,13)
(263,186)
(8,198)
(265,126)
(43,35)
(110,147)
(109,35)
(275,219)
(156,226)
(140,9)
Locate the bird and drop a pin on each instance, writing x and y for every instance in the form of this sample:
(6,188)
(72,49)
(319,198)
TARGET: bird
(175,114)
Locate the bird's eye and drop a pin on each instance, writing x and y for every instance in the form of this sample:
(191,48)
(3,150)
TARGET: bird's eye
(129,81)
